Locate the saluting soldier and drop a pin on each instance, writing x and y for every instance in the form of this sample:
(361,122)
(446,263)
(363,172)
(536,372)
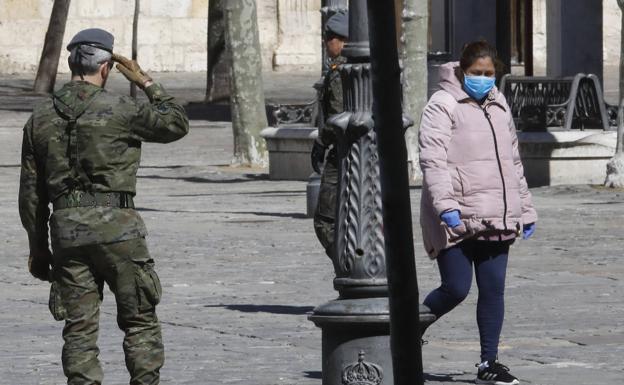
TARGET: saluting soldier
(336,34)
(80,152)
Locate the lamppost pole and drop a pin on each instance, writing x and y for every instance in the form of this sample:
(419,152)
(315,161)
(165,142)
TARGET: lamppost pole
(405,334)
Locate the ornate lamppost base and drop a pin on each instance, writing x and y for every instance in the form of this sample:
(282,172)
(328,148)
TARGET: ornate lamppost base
(356,340)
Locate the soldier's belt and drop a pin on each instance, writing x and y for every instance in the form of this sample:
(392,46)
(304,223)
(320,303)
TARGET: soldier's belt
(97,199)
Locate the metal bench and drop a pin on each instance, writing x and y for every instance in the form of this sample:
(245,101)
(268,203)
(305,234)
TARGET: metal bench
(542,103)
(289,138)
(294,114)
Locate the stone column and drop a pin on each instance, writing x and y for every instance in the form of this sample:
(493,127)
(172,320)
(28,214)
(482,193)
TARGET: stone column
(574,35)
(539,37)
(297,46)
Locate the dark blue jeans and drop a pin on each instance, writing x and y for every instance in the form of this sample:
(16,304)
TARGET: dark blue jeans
(490,265)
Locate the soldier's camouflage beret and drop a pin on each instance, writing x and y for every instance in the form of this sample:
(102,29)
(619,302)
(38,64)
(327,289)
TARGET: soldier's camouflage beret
(338,24)
(94,37)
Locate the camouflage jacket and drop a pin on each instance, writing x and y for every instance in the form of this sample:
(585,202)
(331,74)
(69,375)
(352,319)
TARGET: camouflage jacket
(331,99)
(99,151)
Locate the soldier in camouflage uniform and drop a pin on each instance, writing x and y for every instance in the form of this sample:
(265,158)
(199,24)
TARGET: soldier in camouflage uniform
(80,152)
(336,33)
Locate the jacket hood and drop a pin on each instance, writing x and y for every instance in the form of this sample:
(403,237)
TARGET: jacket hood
(450,83)
(74,97)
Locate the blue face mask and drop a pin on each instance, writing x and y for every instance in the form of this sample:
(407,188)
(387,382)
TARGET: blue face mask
(478,86)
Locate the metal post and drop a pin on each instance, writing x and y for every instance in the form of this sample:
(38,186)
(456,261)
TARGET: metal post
(503,33)
(464,29)
(528,37)
(356,326)
(397,214)
(567,23)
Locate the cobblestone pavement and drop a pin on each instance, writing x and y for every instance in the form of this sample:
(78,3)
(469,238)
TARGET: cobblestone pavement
(16,90)
(241,268)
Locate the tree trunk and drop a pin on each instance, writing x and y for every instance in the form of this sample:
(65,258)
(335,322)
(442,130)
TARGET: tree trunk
(219,61)
(135,32)
(246,89)
(615,167)
(621,4)
(48,64)
(415,36)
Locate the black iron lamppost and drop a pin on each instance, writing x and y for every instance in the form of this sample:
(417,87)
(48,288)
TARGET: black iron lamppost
(356,326)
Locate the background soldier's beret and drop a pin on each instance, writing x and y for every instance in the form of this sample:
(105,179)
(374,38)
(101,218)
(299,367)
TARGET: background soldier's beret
(338,24)
(94,37)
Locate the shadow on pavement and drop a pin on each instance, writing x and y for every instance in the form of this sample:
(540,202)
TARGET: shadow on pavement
(257,213)
(280,215)
(265,194)
(313,374)
(444,378)
(197,179)
(220,111)
(273,309)
(602,203)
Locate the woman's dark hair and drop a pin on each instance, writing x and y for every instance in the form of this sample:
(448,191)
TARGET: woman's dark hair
(477,50)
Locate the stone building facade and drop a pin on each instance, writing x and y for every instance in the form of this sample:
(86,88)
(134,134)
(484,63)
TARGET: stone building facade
(612,24)
(172,33)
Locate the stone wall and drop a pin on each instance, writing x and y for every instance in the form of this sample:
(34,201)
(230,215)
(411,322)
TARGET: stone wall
(172,33)
(612,22)
(612,25)
(539,37)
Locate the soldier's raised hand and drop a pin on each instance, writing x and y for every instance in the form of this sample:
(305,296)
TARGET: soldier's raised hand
(132,71)
(40,264)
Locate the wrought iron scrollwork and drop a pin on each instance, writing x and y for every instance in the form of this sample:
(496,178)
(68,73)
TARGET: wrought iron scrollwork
(540,102)
(295,113)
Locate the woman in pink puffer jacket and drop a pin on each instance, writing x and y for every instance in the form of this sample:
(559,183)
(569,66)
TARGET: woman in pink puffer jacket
(475,200)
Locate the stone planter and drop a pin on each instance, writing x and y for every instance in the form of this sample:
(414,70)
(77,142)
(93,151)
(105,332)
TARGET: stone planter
(289,151)
(566,157)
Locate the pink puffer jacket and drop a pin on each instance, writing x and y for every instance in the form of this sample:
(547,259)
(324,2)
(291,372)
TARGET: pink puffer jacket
(470,162)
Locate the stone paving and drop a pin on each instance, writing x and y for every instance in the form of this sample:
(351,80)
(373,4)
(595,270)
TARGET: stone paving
(241,268)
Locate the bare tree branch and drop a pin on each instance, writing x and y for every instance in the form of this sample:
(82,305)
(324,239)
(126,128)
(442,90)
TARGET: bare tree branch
(48,64)
(135,32)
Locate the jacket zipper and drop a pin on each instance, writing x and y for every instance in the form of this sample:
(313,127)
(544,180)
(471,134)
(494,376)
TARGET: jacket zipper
(500,166)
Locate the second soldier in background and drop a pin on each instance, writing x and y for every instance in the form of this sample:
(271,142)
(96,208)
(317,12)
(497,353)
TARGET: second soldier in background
(336,34)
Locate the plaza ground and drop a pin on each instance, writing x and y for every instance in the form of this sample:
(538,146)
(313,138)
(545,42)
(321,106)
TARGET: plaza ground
(241,268)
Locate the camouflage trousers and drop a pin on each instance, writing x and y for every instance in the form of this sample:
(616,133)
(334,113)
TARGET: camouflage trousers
(76,295)
(325,213)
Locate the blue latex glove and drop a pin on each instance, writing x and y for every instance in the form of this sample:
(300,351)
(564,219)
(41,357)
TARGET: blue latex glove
(451,218)
(528,230)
